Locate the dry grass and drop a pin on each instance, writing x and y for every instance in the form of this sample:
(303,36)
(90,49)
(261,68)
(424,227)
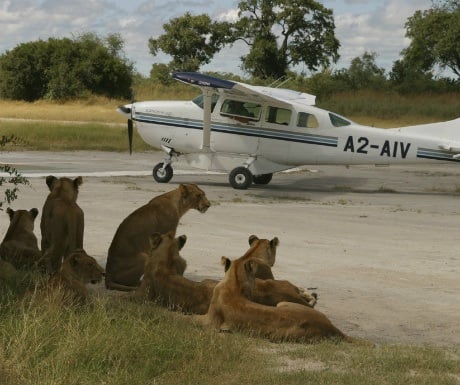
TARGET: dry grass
(116,341)
(94,110)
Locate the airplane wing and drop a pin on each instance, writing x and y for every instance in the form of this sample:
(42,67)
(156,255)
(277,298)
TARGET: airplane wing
(210,84)
(280,96)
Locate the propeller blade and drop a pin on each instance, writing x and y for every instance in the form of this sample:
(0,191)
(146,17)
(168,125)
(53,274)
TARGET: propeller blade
(130,135)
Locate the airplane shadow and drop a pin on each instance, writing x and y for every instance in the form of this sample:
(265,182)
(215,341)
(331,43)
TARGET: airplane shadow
(295,186)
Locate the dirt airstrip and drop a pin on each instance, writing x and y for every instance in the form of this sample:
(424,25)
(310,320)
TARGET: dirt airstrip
(380,245)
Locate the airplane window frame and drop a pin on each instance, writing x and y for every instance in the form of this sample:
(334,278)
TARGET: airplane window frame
(272,115)
(246,110)
(338,121)
(311,120)
(199,101)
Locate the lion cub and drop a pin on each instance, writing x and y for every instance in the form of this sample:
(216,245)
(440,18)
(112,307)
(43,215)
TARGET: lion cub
(62,222)
(77,270)
(20,246)
(163,282)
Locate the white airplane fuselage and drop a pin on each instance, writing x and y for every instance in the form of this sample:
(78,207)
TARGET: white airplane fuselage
(269,147)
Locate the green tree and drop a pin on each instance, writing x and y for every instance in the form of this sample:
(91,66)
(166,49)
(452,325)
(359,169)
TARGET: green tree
(363,73)
(306,35)
(66,68)
(434,35)
(191,41)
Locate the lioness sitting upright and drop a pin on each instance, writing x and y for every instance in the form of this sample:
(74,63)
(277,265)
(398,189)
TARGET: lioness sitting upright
(230,309)
(20,245)
(127,252)
(163,283)
(62,222)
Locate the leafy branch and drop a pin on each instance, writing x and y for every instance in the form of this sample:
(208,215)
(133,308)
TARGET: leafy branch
(10,176)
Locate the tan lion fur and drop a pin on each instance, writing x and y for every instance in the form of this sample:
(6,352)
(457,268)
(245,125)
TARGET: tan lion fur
(77,270)
(62,222)
(163,283)
(230,309)
(130,244)
(20,246)
(267,290)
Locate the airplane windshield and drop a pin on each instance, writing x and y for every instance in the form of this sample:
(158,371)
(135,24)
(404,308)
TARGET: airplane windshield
(338,121)
(199,101)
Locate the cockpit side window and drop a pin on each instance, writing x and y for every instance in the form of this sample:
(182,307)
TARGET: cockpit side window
(278,115)
(307,120)
(199,101)
(338,121)
(237,108)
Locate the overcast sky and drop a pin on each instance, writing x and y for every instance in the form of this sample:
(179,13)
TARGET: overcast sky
(372,25)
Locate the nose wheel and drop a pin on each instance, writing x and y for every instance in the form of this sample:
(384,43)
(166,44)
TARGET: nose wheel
(240,178)
(162,173)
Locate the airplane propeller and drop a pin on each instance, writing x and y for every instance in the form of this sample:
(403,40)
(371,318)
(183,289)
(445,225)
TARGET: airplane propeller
(129,110)
(130,135)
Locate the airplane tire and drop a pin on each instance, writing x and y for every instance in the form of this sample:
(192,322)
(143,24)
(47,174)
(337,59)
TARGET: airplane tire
(262,178)
(162,174)
(240,178)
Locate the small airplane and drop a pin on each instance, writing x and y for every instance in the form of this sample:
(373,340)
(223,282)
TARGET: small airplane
(252,132)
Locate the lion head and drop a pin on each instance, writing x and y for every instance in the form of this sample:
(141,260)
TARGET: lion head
(194,197)
(21,219)
(262,249)
(83,267)
(164,251)
(63,188)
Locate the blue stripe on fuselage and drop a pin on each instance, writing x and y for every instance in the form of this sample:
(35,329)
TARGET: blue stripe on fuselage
(290,136)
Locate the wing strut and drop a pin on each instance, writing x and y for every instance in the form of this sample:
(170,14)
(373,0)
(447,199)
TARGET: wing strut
(207,98)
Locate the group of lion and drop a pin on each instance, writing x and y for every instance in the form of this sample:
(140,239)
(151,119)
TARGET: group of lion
(144,258)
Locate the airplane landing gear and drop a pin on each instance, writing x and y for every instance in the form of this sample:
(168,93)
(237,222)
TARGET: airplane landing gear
(162,172)
(240,178)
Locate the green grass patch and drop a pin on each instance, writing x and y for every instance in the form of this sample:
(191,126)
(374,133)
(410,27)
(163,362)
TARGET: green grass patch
(52,136)
(118,341)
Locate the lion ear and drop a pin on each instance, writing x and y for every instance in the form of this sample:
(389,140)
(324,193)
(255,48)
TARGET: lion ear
(274,242)
(181,241)
(226,262)
(34,212)
(10,213)
(50,179)
(155,240)
(252,238)
(77,182)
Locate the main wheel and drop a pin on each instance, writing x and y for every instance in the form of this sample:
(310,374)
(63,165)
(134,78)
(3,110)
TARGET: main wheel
(162,174)
(262,178)
(240,178)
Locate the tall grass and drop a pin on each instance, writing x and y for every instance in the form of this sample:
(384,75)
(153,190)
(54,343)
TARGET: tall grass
(116,341)
(94,109)
(392,106)
(52,136)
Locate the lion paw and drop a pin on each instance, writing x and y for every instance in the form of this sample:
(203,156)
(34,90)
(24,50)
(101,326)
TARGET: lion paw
(312,298)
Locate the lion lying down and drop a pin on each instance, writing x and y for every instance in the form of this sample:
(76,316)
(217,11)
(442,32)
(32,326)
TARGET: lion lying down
(230,309)
(162,281)
(77,270)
